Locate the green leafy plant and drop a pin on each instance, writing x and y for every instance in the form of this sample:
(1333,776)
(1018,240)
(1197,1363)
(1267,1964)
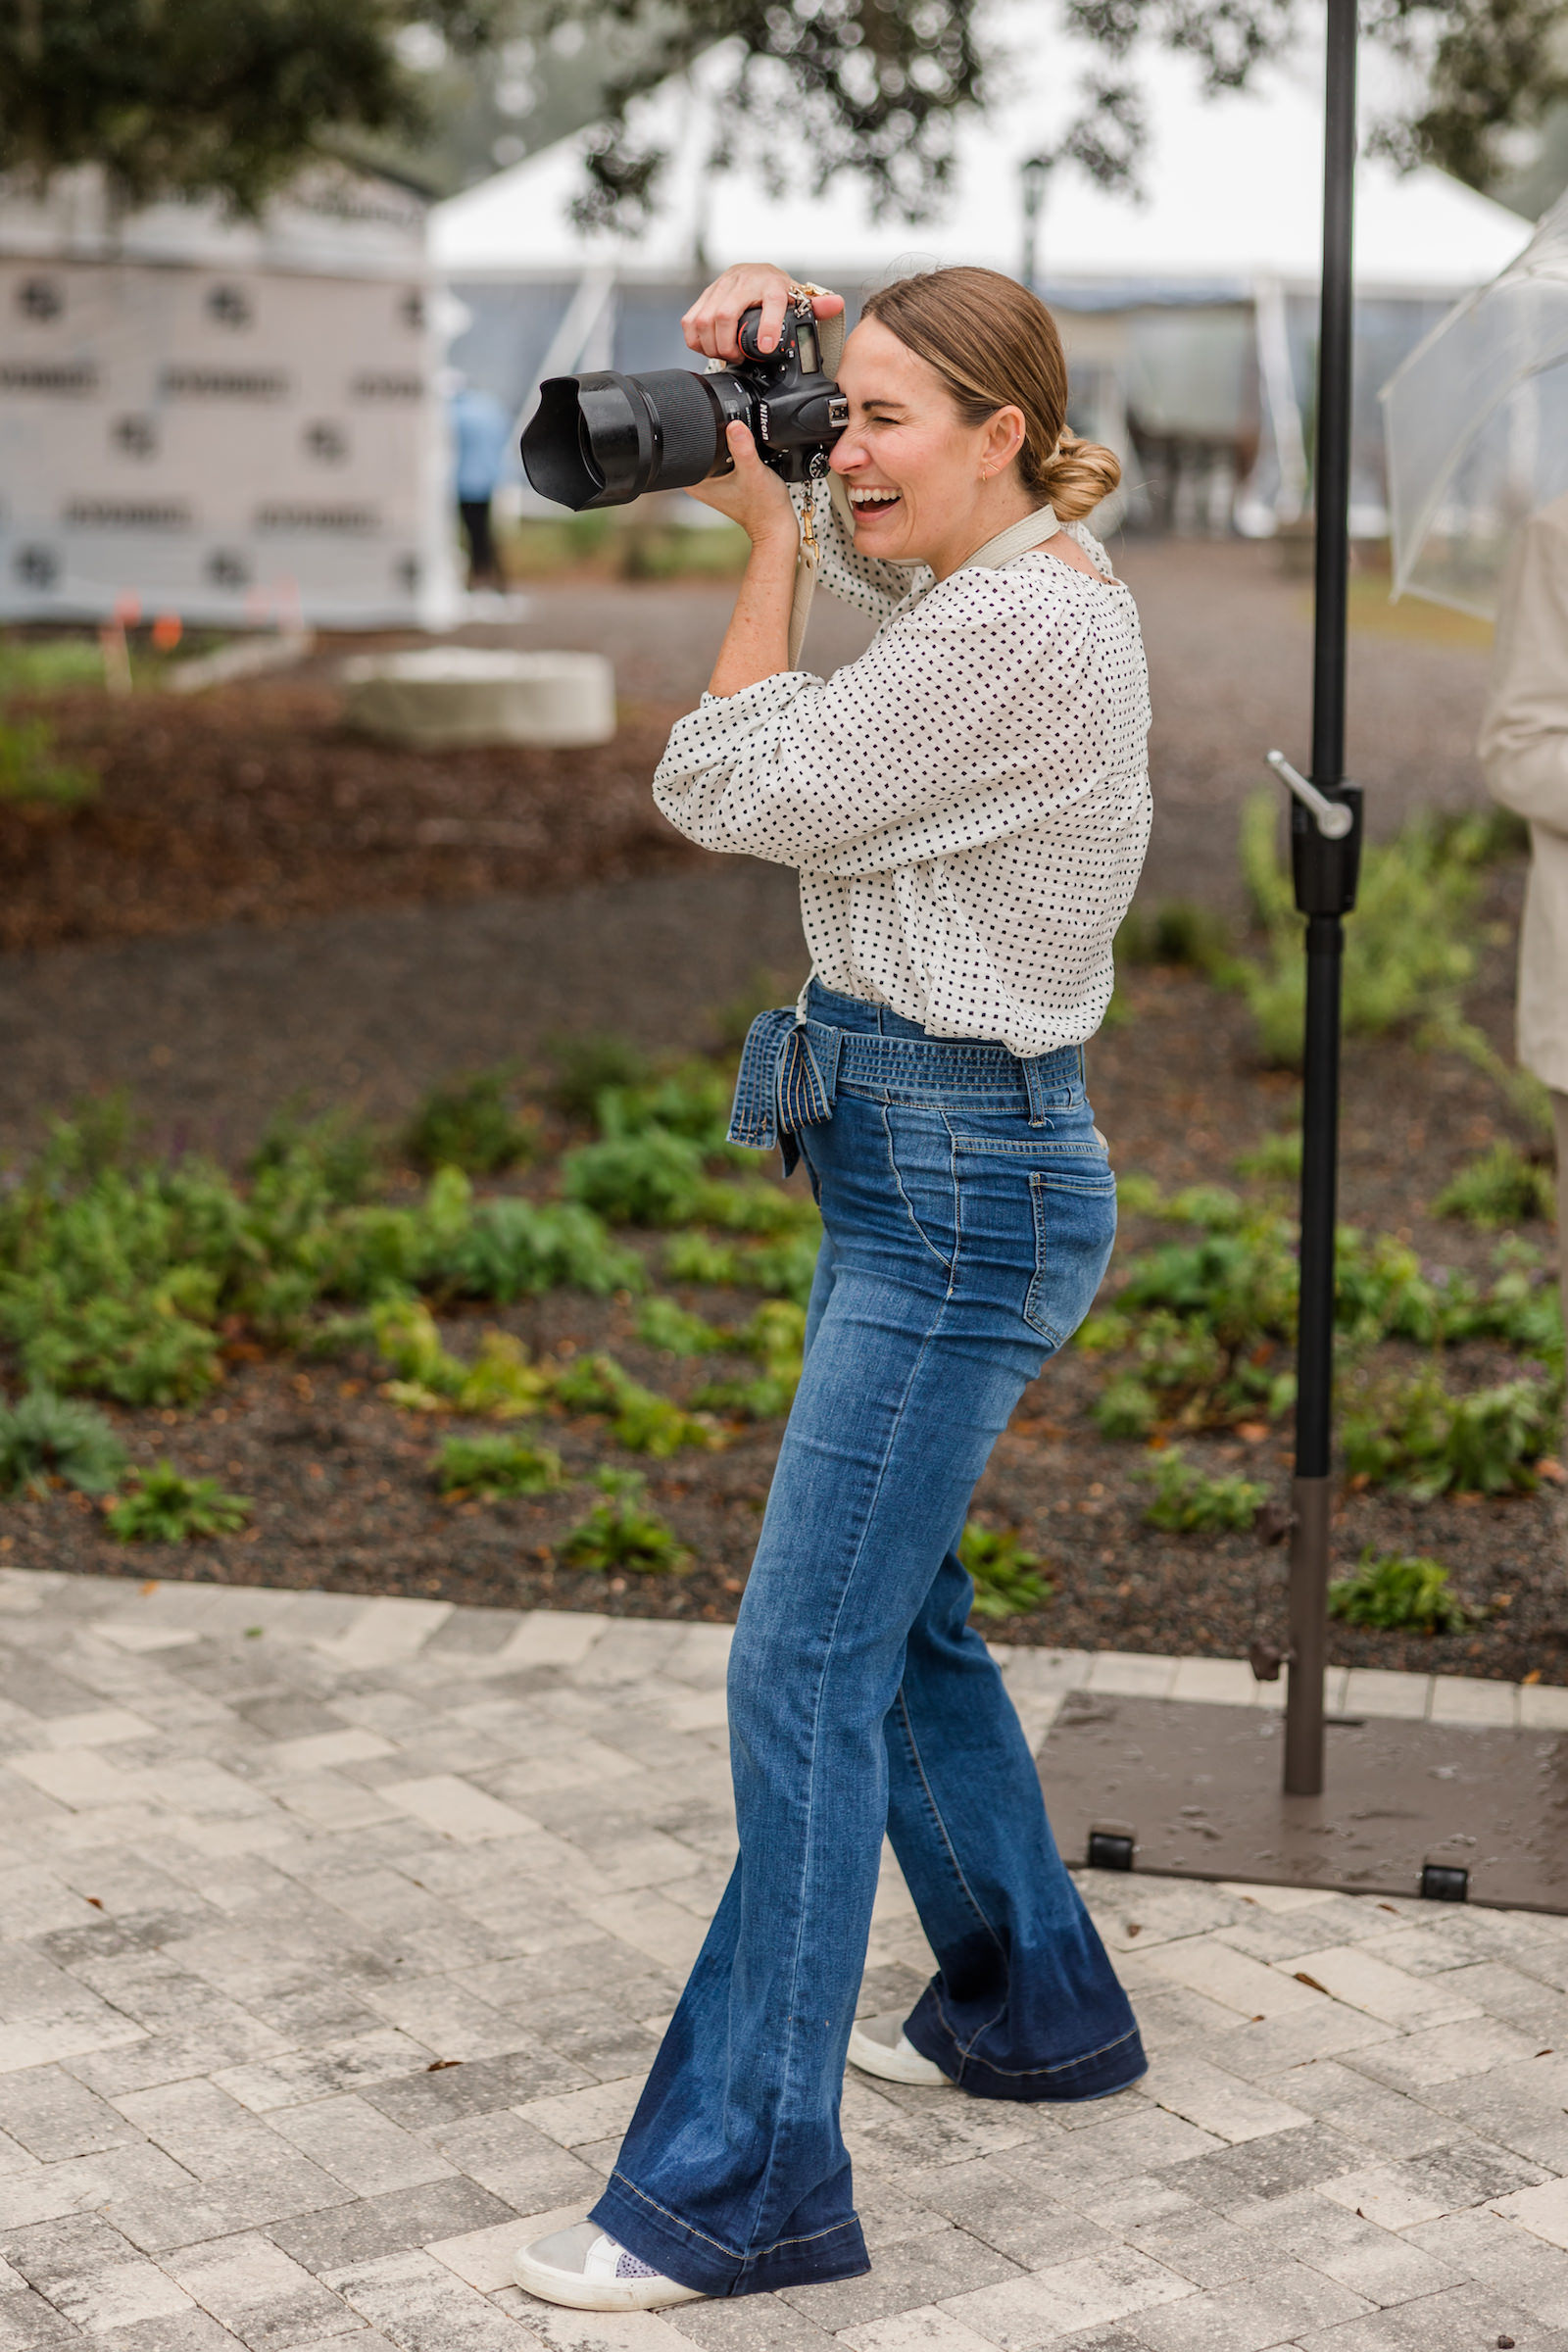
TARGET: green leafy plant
(1187,1501)
(46,665)
(777,1334)
(654,1178)
(1503,1186)
(43,1435)
(469,1123)
(666,1324)
(1004,1575)
(640,1419)
(166,1507)
(500,1383)
(1408,952)
(1414,1434)
(1399,1592)
(620,1531)
(30,773)
(1277,1160)
(1126,1407)
(584,1066)
(488,1465)
(1176,931)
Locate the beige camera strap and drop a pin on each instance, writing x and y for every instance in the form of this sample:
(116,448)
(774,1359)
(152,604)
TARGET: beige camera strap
(830,347)
(1030,531)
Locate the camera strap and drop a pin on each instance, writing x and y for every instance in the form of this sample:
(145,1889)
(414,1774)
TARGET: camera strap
(808,558)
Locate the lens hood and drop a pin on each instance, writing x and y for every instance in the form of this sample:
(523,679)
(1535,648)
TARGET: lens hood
(602,440)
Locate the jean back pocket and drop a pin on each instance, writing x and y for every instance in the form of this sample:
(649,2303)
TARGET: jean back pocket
(1075,1229)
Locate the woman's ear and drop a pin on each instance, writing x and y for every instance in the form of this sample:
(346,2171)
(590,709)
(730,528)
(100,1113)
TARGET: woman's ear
(1003,436)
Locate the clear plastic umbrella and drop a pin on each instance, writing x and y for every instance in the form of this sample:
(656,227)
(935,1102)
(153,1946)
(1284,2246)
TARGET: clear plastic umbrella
(1476,423)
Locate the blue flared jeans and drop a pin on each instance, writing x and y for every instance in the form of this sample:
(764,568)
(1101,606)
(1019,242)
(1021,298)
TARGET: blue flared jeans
(968,1214)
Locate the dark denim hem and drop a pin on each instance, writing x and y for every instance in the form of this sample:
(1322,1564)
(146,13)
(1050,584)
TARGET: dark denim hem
(1116,2066)
(692,2260)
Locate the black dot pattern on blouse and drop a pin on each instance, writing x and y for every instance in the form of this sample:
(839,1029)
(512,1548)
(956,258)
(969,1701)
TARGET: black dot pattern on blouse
(967,803)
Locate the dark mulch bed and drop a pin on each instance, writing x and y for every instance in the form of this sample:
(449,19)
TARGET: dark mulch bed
(345,1500)
(255,804)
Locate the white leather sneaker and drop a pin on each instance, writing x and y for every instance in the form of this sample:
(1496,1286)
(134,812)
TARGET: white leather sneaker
(879,2045)
(586,2271)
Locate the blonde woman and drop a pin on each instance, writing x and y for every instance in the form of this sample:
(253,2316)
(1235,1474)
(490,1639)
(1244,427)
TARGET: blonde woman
(968,806)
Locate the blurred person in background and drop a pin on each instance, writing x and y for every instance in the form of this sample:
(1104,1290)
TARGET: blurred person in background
(1524,753)
(480,431)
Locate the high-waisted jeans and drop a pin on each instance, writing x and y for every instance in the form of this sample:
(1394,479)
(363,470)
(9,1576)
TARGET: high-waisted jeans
(968,1213)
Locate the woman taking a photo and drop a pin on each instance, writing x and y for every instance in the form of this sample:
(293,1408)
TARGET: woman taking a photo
(968,806)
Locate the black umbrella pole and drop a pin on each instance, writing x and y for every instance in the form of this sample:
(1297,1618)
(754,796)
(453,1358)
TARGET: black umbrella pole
(1325,878)
(1310,1493)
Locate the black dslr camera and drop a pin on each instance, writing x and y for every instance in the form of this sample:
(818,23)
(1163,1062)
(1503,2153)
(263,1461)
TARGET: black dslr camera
(603,440)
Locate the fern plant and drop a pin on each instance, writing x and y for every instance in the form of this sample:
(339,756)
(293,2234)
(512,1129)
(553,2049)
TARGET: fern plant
(1004,1575)
(166,1507)
(620,1531)
(45,1436)
(1398,1592)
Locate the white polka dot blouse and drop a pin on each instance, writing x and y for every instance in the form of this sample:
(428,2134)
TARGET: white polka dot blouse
(967,803)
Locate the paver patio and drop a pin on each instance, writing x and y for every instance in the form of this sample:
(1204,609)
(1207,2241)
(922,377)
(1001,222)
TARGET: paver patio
(335,1938)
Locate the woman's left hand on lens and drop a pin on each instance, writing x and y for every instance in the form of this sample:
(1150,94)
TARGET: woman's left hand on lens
(752,496)
(712,323)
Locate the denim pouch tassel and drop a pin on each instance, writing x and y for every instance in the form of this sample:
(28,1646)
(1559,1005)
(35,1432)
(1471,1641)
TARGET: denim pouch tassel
(786,1082)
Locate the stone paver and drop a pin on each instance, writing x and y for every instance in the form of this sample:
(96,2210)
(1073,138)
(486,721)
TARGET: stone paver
(336,1936)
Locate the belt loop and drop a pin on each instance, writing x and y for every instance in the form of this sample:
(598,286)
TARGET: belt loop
(1034,1086)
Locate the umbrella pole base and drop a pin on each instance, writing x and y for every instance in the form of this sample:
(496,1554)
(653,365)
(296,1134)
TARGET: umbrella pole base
(1312,1504)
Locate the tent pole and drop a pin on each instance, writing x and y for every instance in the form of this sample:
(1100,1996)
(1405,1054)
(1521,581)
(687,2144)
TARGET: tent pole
(1325,873)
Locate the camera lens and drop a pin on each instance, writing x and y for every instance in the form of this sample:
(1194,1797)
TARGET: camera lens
(603,440)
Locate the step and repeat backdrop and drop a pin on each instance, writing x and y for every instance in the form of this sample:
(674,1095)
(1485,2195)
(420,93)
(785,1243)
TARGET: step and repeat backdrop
(225,423)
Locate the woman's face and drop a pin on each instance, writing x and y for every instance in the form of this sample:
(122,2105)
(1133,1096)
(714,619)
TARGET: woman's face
(924,486)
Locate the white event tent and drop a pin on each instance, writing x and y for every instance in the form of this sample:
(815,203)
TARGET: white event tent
(1190,314)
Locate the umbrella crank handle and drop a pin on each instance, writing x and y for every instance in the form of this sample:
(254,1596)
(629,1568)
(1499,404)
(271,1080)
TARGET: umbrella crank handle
(1335,818)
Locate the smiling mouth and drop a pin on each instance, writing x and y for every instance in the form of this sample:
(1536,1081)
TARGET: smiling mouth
(872,502)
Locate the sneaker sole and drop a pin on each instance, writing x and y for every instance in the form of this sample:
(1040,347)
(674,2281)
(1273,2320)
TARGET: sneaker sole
(577,2293)
(890,2066)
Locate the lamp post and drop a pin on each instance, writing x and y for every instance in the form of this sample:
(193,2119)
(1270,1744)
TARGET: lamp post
(1325,856)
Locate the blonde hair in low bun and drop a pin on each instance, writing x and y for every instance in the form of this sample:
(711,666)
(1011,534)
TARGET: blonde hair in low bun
(995,345)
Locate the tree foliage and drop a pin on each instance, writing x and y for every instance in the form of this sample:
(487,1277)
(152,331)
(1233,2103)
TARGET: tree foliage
(209,97)
(195,97)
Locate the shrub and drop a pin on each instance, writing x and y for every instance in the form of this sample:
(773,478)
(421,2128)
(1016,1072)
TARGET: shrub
(692,1100)
(622,1532)
(1126,1407)
(335,1158)
(650,1179)
(666,1324)
(43,1435)
(777,1334)
(1397,1591)
(1189,1502)
(640,1419)
(698,1257)
(1177,931)
(586,1066)
(497,1465)
(1501,1187)
(469,1123)
(165,1507)
(43,666)
(500,1383)
(1406,950)
(30,773)
(1003,1573)
(1415,1434)
(511,1248)
(1277,1160)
